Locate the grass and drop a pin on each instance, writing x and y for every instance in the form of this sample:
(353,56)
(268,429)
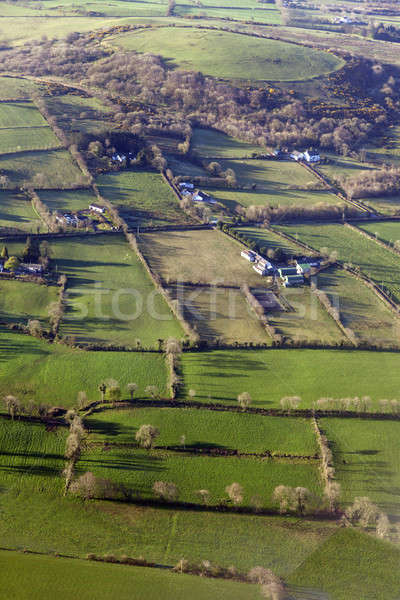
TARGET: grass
(388,232)
(144,196)
(270,239)
(111,298)
(67,200)
(138,470)
(360,309)
(16,213)
(220,313)
(244,432)
(74,113)
(367,461)
(13,88)
(20,114)
(216,9)
(30,138)
(214,144)
(230,55)
(351,565)
(21,301)
(379,264)
(56,166)
(204,257)
(44,373)
(268,375)
(32,577)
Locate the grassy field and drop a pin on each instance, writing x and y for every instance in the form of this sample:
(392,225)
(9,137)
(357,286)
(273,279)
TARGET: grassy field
(360,309)
(21,139)
(74,113)
(13,88)
(341,567)
(67,200)
(111,298)
(21,301)
(31,577)
(268,14)
(204,257)
(278,183)
(367,460)
(54,374)
(144,196)
(244,432)
(229,55)
(220,313)
(388,232)
(16,213)
(214,144)
(268,375)
(376,262)
(138,470)
(55,166)
(269,239)
(20,114)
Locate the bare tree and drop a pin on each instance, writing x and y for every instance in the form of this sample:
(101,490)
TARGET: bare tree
(35,328)
(204,495)
(145,436)
(235,493)
(132,388)
(272,585)
(113,391)
(13,406)
(166,490)
(192,394)
(82,399)
(152,390)
(363,512)
(383,526)
(244,400)
(85,486)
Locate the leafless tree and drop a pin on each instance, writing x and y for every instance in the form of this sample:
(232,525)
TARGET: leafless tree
(82,399)
(244,400)
(132,388)
(204,495)
(145,436)
(235,493)
(166,490)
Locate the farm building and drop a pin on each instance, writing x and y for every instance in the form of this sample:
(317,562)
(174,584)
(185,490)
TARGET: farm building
(248,255)
(97,208)
(297,156)
(312,156)
(312,262)
(263,267)
(31,267)
(199,196)
(303,268)
(284,271)
(184,185)
(293,280)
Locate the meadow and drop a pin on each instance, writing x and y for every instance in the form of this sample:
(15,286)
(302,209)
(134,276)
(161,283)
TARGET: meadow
(20,114)
(367,460)
(379,264)
(67,200)
(204,257)
(54,374)
(359,307)
(55,167)
(245,432)
(32,577)
(386,231)
(219,314)
(16,213)
(15,88)
(138,470)
(230,55)
(21,301)
(111,298)
(269,375)
(214,9)
(21,139)
(75,113)
(209,143)
(269,239)
(144,195)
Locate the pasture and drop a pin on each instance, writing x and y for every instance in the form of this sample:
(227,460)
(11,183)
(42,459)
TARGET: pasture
(21,301)
(20,114)
(367,460)
(21,139)
(48,169)
(360,309)
(144,196)
(219,314)
(15,88)
(54,374)
(270,240)
(229,55)
(111,298)
(379,264)
(245,432)
(386,231)
(67,200)
(138,470)
(205,256)
(210,143)
(16,213)
(75,113)
(268,375)
(32,577)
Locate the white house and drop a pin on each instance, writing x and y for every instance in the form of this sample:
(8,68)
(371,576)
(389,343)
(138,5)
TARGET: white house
(97,208)
(31,267)
(248,255)
(202,197)
(119,157)
(297,156)
(185,185)
(303,268)
(312,156)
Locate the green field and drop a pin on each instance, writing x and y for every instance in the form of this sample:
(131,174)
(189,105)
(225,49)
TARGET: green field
(388,232)
(209,143)
(138,470)
(55,168)
(367,460)
(220,314)
(13,88)
(67,200)
(75,113)
(277,183)
(202,428)
(30,138)
(248,11)
(16,213)
(229,55)
(20,114)
(360,309)
(54,374)
(111,298)
(268,375)
(269,239)
(31,577)
(144,195)
(379,264)
(204,257)
(21,301)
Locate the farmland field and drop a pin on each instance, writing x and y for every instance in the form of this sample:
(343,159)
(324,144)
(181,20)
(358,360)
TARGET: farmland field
(21,139)
(214,144)
(138,470)
(220,313)
(144,195)
(268,375)
(269,239)
(21,301)
(228,55)
(202,428)
(13,88)
(16,213)
(35,370)
(67,200)
(367,460)
(111,298)
(204,257)
(20,114)
(83,114)
(360,309)
(388,232)
(55,166)
(379,264)
(33,577)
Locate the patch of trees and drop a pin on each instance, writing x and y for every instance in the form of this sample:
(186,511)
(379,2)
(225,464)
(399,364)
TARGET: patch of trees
(374,183)
(319,211)
(388,33)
